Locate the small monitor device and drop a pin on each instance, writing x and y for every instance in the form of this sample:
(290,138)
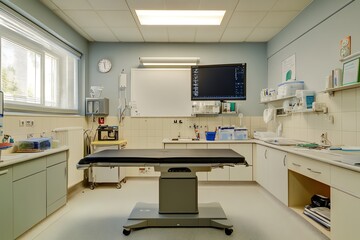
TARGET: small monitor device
(218,82)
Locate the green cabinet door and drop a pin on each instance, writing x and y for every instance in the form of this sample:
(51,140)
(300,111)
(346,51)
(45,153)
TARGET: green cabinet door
(29,202)
(6,217)
(56,186)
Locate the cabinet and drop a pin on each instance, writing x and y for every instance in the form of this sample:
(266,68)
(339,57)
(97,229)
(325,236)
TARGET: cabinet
(236,173)
(6,206)
(56,179)
(29,192)
(272,172)
(307,177)
(278,175)
(261,170)
(219,174)
(242,172)
(345,215)
(202,176)
(345,204)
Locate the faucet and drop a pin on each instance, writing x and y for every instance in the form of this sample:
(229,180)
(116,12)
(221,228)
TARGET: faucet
(196,130)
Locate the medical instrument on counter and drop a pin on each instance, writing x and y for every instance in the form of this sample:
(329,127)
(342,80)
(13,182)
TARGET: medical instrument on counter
(108,133)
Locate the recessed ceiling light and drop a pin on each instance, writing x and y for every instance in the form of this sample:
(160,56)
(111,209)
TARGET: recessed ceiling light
(180,17)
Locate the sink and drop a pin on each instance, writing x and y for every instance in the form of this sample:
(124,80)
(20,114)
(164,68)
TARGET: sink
(283,141)
(184,139)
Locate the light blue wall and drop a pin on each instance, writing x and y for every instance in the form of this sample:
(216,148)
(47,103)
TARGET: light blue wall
(314,38)
(44,17)
(126,56)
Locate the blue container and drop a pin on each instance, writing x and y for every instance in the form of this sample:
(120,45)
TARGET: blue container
(210,136)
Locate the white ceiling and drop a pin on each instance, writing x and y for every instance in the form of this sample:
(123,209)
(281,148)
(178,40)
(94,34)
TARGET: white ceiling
(116,21)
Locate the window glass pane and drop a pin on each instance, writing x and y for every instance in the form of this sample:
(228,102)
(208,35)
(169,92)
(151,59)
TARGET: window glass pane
(37,73)
(51,81)
(20,73)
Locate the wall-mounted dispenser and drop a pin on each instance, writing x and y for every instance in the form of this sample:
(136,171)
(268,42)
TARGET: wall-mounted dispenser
(97,106)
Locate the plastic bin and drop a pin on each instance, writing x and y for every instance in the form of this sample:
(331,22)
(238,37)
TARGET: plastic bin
(210,136)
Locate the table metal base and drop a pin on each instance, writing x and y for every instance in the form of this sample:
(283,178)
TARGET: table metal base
(146,215)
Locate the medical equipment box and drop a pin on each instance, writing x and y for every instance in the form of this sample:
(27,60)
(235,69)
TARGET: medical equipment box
(240,134)
(108,133)
(289,88)
(226,133)
(97,106)
(34,145)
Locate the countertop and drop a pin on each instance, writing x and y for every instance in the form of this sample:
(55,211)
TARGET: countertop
(14,158)
(188,140)
(106,143)
(333,157)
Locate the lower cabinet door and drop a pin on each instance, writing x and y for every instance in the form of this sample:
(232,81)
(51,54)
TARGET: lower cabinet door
(56,187)
(29,202)
(6,215)
(345,216)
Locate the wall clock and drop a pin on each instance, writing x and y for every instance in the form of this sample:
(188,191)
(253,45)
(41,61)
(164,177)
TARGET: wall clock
(104,65)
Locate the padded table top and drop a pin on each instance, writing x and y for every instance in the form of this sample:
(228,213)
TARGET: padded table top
(169,156)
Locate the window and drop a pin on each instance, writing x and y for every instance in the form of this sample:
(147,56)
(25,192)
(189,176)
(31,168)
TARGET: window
(37,73)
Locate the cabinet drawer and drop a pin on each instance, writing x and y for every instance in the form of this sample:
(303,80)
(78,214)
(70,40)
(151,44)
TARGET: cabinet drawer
(55,159)
(28,168)
(245,150)
(314,169)
(175,146)
(345,180)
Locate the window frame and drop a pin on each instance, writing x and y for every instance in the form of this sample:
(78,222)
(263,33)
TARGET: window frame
(23,41)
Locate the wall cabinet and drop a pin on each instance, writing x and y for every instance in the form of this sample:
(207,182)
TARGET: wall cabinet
(29,191)
(272,172)
(6,206)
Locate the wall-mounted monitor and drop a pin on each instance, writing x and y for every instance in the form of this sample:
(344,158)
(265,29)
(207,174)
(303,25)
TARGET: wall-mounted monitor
(218,82)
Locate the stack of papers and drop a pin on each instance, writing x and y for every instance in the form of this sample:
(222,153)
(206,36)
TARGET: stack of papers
(319,214)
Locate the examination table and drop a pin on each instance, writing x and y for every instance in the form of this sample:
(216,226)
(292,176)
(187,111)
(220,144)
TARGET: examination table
(178,189)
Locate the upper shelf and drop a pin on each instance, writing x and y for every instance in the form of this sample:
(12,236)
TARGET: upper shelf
(350,86)
(350,57)
(278,99)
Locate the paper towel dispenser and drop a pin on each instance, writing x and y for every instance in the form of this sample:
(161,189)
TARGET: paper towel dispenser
(97,106)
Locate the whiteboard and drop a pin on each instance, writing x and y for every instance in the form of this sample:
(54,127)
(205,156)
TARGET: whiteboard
(161,92)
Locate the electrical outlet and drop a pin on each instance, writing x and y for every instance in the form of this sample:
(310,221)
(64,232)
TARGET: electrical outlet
(29,123)
(21,123)
(324,138)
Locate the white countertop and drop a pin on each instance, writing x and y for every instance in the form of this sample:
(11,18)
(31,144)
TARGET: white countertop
(188,140)
(14,158)
(333,157)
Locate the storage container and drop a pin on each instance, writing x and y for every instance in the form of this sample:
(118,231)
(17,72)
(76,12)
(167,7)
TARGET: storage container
(34,145)
(210,136)
(240,134)
(226,133)
(289,88)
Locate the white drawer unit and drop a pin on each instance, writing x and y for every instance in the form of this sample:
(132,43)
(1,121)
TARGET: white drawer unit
(236,173)
(314,169)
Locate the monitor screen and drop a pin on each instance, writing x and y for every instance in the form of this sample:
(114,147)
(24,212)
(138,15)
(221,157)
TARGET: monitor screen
(218,82)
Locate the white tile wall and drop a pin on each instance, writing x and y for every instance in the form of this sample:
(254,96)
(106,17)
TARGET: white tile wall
(43,124)
(344,108)
(142,132)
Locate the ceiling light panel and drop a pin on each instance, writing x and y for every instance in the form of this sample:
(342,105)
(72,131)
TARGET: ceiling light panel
(180,17)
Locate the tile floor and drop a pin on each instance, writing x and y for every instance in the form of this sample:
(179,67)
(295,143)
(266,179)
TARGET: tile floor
(99,215)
